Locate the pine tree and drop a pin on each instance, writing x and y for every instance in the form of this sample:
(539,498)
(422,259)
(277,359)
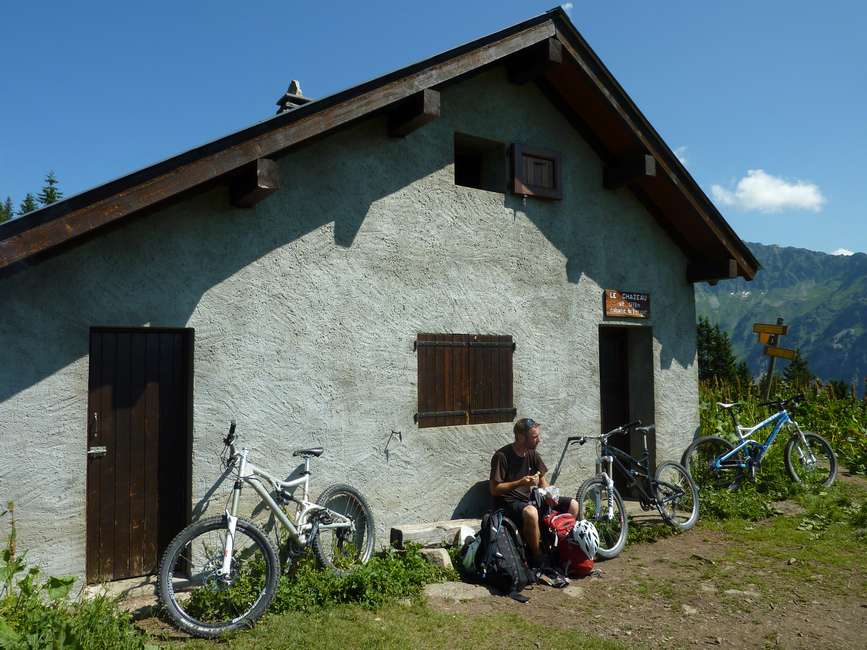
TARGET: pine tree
(6,210)
(715,356)
(797,373)
(29,204)
(49,192)
(742,372)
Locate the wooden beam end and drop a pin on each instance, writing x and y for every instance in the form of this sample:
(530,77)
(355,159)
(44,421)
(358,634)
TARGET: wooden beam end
(535,61)
(413,113)
(631,168)
(255,182)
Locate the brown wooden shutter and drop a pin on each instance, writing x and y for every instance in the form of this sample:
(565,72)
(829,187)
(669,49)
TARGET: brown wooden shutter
(443,389)
(490,371)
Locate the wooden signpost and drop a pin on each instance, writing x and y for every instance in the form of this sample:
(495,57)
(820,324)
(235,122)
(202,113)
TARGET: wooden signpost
(769,336)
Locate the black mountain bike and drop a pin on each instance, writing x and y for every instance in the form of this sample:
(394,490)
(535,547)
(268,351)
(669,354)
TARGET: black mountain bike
(670,490)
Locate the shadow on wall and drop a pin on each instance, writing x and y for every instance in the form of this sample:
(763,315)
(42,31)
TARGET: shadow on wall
(475,502)
(170,259)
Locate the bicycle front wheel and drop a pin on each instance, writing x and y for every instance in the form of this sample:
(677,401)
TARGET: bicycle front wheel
(204,603)
(592,497)
(814,465)
(342,548)
(700,458)
(676,495)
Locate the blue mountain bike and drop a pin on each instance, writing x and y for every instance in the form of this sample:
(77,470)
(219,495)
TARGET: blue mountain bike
(714,462)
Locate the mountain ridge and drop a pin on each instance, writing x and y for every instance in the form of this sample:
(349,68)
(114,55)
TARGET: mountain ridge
(821,297)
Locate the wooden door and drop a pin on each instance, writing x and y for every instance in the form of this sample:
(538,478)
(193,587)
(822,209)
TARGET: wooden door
(138,468)
(614,389)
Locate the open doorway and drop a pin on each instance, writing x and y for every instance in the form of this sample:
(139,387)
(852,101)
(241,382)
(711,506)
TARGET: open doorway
(626,389)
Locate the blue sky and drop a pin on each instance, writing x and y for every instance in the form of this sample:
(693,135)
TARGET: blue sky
(765,101)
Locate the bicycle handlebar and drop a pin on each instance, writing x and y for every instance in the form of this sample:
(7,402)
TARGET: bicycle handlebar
(635,424)
(794,400)
(229,439)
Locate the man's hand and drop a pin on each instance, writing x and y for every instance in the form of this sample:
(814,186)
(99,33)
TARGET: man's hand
(530,479)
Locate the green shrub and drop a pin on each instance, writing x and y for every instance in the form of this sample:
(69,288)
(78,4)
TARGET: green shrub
(744,503)
(388,576)
(36,612)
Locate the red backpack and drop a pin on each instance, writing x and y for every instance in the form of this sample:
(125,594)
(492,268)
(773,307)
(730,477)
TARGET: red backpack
(573,562)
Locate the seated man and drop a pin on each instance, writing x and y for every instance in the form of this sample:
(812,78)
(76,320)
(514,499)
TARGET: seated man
(515,470)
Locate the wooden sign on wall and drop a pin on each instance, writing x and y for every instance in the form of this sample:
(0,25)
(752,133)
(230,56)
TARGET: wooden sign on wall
(627,304)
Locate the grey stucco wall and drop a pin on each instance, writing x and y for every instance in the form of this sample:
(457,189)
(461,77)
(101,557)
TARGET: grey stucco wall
(305,310)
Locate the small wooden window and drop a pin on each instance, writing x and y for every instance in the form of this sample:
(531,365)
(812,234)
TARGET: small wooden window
(480,163)
(464,379)
(536,172)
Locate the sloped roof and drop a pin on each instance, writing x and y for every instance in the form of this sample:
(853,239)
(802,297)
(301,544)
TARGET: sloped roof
(581,86)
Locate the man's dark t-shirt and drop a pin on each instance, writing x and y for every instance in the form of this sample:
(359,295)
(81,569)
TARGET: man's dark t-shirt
(507,466)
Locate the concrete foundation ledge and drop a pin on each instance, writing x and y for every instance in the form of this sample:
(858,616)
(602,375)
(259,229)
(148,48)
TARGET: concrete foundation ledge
(437,533)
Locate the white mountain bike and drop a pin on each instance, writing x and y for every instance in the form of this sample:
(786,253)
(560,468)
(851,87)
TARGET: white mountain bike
(220,574)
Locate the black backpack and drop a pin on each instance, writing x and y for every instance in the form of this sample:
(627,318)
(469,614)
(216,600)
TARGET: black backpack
(500,559)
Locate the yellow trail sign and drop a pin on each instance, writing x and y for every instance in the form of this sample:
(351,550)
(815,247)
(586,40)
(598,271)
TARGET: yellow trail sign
(783,353)
(767,328)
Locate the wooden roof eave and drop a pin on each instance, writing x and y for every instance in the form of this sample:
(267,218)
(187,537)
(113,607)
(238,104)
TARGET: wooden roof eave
(618,124)
(640,135)
(82,214)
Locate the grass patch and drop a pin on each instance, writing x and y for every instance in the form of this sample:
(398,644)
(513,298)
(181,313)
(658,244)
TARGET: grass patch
(396,626)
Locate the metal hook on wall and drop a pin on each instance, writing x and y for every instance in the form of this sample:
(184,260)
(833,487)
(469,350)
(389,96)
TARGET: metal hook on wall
(390,437)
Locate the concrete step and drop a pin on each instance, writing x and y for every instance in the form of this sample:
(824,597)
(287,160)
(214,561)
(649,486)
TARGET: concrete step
(136,595)
(437,533)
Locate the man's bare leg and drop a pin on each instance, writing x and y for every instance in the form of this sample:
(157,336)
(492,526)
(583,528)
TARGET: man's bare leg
(531,532)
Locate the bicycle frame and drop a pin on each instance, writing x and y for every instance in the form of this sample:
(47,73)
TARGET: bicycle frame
(638,468)
(254,476)
(781,418)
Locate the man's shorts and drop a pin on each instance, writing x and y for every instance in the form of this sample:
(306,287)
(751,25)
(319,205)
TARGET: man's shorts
(515,509)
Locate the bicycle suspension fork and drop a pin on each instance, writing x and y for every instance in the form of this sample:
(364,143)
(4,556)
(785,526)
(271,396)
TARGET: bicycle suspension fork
(232,518)
(806,455)
(608,463)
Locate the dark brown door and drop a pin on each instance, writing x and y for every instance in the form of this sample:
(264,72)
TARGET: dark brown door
(138,468)
(614,389)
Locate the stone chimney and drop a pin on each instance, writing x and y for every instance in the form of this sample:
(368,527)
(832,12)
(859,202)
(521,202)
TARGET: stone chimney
(292,98)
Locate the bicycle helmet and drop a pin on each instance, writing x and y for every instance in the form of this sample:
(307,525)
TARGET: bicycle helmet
(585,535)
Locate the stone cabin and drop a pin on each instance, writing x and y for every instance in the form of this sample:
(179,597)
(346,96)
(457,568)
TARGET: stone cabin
(426,253)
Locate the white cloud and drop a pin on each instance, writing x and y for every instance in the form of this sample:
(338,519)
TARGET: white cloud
(759,191)
(680,152)
(843,251)
(567,6)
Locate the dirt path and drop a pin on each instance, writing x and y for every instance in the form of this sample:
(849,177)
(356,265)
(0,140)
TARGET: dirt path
(678,592)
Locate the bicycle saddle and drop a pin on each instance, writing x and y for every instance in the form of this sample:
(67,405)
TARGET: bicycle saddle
(307,453)
(724,405)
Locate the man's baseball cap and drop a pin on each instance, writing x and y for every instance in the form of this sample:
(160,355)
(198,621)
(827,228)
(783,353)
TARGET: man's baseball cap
(524,425)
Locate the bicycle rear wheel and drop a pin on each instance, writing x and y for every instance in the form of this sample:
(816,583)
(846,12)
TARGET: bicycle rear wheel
(676,495)
(699,459)
(199,600)
(341,549)
(592,500)
(813,465)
